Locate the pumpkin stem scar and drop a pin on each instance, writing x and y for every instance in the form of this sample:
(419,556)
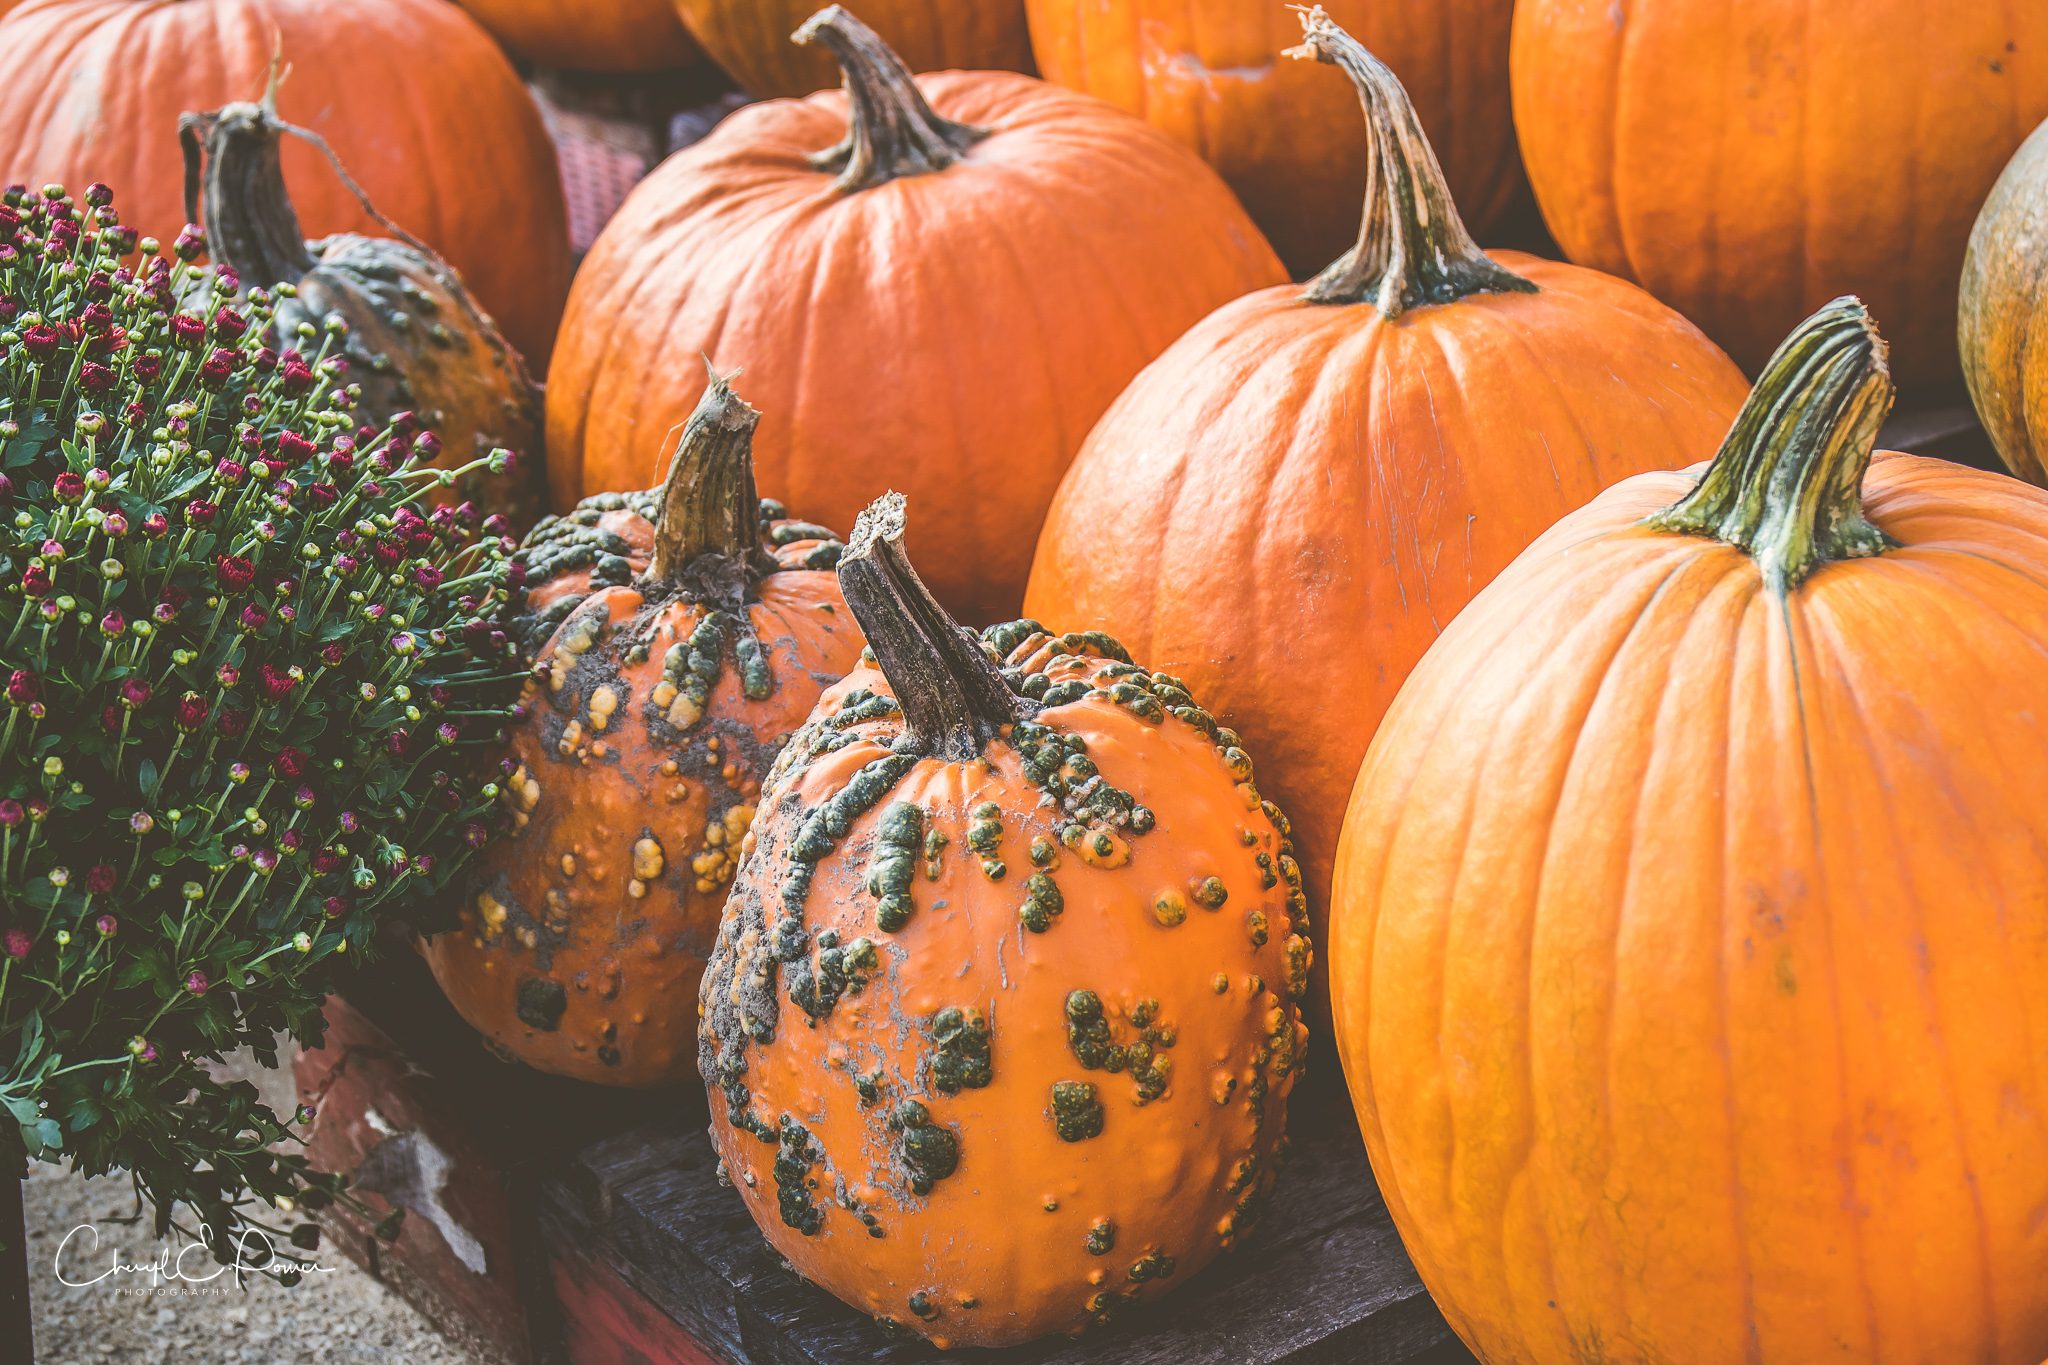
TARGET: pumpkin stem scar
(708,531)
(1413,248)
(893,131)
(953,696)
(251,226)
(1787,484)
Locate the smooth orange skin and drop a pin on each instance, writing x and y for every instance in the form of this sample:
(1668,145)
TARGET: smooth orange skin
(1292,502)
(416,100)
(1687,943)
(1010,1226)
(1285,133)
(592,35)
(1746,163)
(953,335)
(629,965)
(750,39)
(2003,325)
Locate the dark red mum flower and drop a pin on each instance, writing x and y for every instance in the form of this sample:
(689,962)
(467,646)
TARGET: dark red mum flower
(293,447)
(277,684)
(228,324)
(290,762)
(217,369)
(428,576)
(35,580)
(234,572)
(188,331)
(100,879)
(69,485)
(192,709)
(148,366)
(40,341)
(295,378)
(327,860)
(22,687)
(231,722)
(200,512)
(95,378)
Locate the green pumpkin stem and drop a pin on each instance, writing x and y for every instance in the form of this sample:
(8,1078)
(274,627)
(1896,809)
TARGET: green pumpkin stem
(953,696)
(1787,484)
(1413,248)
(893,131)
(709,521)
(251,226)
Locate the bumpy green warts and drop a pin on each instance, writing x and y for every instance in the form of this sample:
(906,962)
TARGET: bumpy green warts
(897,843)
(962,1061)
(1076,1111)
(928,1152)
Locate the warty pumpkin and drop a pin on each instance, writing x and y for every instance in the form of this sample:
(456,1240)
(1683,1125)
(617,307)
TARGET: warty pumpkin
(1691,918)
(2003,323)
(1745,163)
(415,340)
(1002,1020)
(591,35)
(750,39)
(1290,503)
(656,708)
(946,300)
(416,100)
(1289,142)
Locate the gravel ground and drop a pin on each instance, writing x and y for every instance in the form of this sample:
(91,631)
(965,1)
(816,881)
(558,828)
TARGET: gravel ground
(344,1317)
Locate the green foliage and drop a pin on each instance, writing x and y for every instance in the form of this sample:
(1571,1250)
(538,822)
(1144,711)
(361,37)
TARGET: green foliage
(253,684)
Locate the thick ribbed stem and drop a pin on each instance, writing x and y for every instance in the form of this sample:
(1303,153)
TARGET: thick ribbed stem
(892,132)
(251,226)
(1413,248)
(953,696)
(1787,485)
(710,508)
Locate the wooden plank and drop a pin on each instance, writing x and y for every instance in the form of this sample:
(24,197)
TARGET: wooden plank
(1323,1279)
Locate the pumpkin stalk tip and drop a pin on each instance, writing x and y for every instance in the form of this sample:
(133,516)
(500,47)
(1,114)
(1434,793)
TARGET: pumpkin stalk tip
(893,131)
(1413,248)
(1786,486)
(709,503)
(953,696)
(234,176)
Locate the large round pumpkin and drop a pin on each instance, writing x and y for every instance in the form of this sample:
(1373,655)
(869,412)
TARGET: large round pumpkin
(1289,504)
(1691,918)
(1002,1020)
(945,301)
(689,645)
(1288,140)
(415,99)
(750,38)
(1747,162)
(415,341)
(2004,319)
(589,35)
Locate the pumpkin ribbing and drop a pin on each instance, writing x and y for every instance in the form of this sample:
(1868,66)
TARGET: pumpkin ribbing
(2003,322)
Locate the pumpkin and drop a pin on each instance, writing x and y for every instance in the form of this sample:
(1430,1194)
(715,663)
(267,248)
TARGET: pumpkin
(1691,919)
(1745,163)
(750,38)
(415,340)
(952,295)
(1001,1024)
(448,145)
(656,708)
(2004,316)
(1290,503)
(1289,143)
(595,35)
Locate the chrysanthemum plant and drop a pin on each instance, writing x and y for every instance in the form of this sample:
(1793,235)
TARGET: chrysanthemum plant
(253,677)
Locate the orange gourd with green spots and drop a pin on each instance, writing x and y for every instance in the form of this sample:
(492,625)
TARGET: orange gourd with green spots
(682,647)
(1002,1020)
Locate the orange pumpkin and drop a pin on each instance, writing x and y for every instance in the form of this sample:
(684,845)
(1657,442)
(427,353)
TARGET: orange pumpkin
(2004,318)
(1209,72)
(1289,504)
(657,706)
(951,296)
(415,342)
(1747,162)
(414,98)
(1001,1023)
(592,35)
(1691,919)
(750,38)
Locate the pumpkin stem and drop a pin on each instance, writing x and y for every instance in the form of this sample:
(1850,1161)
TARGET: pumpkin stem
(953,696)
(709,522)
(251,226)
(893,132)
(1787,483)
(1413,248)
